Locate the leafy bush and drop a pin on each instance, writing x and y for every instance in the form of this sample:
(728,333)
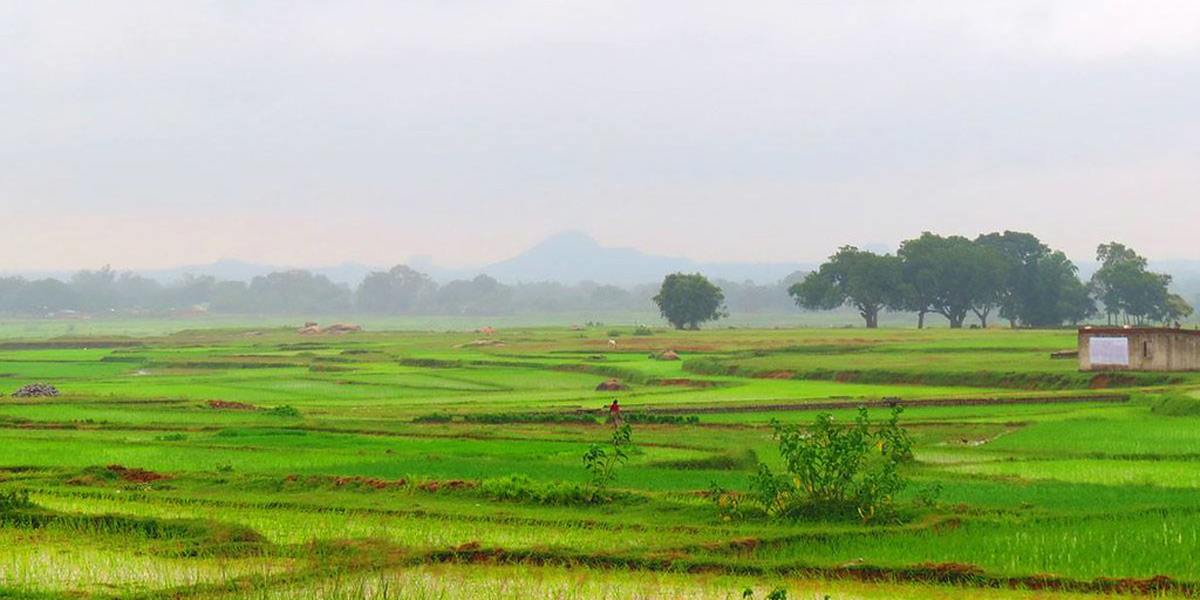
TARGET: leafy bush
(643,330)
(835,471)
(285,411)
(171,437)
(15,500)
(601,461)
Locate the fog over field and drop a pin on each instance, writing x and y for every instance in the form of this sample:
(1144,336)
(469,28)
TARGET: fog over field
(149,135)
(553,299)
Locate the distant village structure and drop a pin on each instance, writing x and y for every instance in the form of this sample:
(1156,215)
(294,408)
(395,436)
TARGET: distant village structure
(1138,349)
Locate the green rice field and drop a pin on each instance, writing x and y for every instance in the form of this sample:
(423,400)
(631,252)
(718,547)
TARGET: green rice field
(243,460)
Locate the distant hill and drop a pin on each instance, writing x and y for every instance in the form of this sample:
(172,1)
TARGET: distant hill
(569,258)
(573,256)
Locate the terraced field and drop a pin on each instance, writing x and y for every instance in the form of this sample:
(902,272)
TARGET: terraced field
(259,463)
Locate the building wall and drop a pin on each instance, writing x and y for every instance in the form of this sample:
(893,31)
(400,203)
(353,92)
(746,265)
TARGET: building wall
(1149,349)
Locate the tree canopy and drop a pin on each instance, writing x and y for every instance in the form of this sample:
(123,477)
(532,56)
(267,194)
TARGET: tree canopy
(1041,287)
(686,301)
(869,282)
(952,276)
(1130,294)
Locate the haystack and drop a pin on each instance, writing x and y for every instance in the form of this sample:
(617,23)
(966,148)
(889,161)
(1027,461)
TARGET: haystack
(611,385)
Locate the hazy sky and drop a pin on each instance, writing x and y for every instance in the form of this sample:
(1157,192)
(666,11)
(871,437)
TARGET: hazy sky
(155,133)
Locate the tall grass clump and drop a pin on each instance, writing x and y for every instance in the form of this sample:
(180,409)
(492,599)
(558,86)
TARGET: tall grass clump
(1174,403)
(520,488)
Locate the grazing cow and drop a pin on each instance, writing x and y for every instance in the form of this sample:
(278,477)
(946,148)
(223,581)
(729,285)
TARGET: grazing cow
(612,344)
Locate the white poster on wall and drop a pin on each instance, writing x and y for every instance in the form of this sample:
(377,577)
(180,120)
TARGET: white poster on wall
(1109,350)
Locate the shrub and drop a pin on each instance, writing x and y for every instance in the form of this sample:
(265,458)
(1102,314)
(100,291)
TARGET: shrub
(285,411)
(643,330)
(601,461)
(835,471)
(15,500)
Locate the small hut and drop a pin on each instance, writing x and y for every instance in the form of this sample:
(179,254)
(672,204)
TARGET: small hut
(1138,349)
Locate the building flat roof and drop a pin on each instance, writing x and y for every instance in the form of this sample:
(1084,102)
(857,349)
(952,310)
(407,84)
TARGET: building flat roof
(1091,330)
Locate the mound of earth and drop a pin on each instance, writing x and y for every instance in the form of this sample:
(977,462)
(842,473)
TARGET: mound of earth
(311,328)
(136,475)
(36,390)
(611,385)
(227,405)
(668,355)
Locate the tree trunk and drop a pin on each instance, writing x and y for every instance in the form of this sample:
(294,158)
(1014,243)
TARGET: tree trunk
(920,319)
(871,315)
(956,320)
(983,316)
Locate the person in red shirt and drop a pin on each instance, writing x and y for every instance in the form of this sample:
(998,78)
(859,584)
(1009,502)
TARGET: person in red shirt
(614,412)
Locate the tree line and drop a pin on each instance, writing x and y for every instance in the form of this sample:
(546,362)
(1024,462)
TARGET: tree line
(1012,275)
(1009,275)
(400,290)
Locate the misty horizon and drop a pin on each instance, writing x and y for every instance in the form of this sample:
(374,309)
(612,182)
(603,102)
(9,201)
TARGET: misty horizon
(351,272)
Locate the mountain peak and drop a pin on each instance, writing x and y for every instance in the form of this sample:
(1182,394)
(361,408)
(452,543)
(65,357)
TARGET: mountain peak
(567,240)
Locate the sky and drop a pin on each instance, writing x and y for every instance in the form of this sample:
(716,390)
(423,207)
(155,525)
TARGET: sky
(149,134)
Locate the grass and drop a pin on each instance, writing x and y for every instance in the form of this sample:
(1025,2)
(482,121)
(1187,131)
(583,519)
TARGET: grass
(354,495)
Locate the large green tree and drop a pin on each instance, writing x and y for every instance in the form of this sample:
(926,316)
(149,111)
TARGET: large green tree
(686,301)
(1130,293)
(867,281)
(952,276)
(1041,286)
(395,291)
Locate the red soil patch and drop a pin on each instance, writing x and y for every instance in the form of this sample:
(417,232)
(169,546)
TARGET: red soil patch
(227,405)
(775,375)
(951,571)
(136,475)
(449,484)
